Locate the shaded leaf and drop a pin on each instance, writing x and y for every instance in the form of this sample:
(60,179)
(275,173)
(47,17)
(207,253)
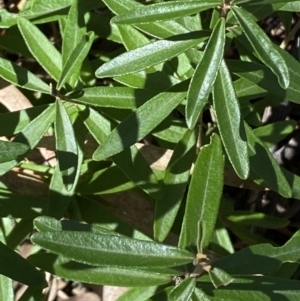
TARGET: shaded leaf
(174,185)
(219,277)
(230,122)
(205,74)
(204,195)
(97,249)
(183,291)
(11,150)
(105,275)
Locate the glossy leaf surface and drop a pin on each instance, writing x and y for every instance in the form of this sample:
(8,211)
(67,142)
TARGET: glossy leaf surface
(111,250)
(230,122)
(205,74)
(150,55)
(183,291)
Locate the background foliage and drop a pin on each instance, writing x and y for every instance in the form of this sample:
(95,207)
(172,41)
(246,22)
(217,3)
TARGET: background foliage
(122,85)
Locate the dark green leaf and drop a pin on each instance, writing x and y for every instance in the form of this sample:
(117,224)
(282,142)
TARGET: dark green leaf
(205,74)
(164,11)
(204,195)
(138,294)
(138,124)
(230,122)
(12,150)
(219,277)
(263,46)
(97,249)
(150,55)
(183,291)
(32,294)
(175,182)
(23,272)
(66,145)
(199,295)
(41,48)
(21,77)
(105,275)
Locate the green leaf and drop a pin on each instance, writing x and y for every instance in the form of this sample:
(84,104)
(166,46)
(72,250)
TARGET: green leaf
(66,145)
(162,29)
(112,97)
(261,258)
(259,2)
(21,77)
(205,74)
(150,55)
(6,289)
(74,29)
(183,291)
(260,288)
(199,295)
(12,123)
(41,48)
(31,135)
(11,150)
(219,277)
(97,249)
(23,272)
(263,46)
(101,275)
(258,219)
(273,133)
(32,294)
(138,294)
(174,185)
(204,195)
(230,122)
(271,174)
(138,124)
(72,67)
(163,11)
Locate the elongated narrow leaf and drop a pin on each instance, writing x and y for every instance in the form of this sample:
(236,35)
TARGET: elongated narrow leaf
(263,46)
(161,29)
(204,194)
(11,150)
(205,74)
(105,275)
(111,250)
(21,77)
(260,2)
(112,97)
(41,48)
(138,124)
(32,294)
(271,174)
(66,146)
(175,181)
(6,289)
(150,54)
(230,122)
(219,277)
(31,135)
(183,291)
(199,295)
(72,67)
(164,11)
(74,29)
(261,258)
(23,272)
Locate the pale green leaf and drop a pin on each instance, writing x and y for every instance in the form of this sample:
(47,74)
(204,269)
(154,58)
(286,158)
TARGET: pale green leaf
(205,74)
(219,277)
(41,48)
